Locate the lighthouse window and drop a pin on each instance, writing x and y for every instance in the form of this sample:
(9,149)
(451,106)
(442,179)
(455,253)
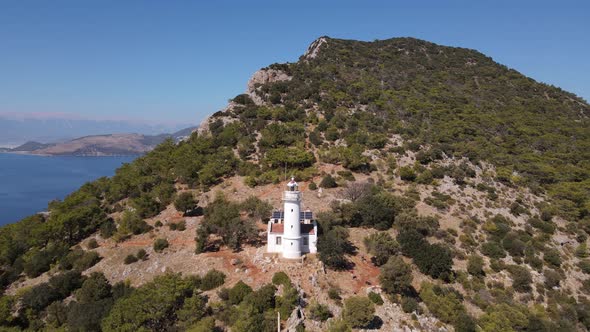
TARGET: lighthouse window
(291,226)
(305,241)
(278,240)
(291,210)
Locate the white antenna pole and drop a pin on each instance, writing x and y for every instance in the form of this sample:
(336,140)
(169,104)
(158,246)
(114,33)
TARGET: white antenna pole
(278,321)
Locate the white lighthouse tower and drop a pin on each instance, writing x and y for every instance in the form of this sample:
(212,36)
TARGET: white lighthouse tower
(292,231)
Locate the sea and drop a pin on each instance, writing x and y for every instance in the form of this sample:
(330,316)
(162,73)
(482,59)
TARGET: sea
(28,183)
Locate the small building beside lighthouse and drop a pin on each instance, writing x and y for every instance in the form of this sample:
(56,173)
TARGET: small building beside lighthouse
(292,232)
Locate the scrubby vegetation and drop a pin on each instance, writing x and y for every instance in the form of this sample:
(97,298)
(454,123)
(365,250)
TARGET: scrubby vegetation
(393,110)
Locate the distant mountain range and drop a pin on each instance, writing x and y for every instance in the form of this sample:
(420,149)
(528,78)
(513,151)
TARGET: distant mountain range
(100,145)
(16,129)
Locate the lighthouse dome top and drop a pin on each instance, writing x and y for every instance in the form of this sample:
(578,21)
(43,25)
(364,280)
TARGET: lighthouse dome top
(292,185)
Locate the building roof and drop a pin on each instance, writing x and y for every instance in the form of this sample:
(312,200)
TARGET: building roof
(280,228)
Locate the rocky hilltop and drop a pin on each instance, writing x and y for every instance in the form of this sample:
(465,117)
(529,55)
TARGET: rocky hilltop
(452,193)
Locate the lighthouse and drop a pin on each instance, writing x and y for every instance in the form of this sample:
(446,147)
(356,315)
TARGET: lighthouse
(292,232)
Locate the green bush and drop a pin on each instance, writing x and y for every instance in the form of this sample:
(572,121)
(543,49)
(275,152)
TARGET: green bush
(552,257)
(79,259)
(409,304)
(141,254)
(475,266)
(95,288)
(319,312)
(375,298)
(281,278)
(358,311)
(160,245)
(521,278)
(334,294)
(406,173)
(185,202)
(396,276)
(493,250)
(382,246)
(312,186)
(130,259)
(212,279)
(237,293)
(149,307)
(584,265)
(92,244)
(328,182)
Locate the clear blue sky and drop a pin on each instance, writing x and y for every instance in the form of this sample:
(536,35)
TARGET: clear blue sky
(181,60)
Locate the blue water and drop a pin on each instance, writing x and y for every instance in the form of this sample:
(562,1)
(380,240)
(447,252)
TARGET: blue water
(28,183)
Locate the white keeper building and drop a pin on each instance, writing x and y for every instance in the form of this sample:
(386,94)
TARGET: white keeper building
(292,232)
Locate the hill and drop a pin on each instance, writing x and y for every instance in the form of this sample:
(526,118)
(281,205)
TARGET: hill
(102,145)
(454,196)
(18,128)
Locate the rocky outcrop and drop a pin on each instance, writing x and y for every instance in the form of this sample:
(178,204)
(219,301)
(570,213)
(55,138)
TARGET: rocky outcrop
(261,77)
(314,48)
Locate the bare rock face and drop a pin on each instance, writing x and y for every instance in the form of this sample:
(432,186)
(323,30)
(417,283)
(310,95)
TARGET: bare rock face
(264,76)
(314,48)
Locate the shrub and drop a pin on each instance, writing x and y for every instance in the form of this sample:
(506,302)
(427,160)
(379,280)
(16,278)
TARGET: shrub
(319,312)
(409,304)
(262,299)
(107,229)
(89,259)
(160,245)
(521,278)
(237,293)
(36,262)
(158,223)
(313,186)
(131,223)
(382,246)
(396,276)
(65,283)
(584,265)
(332,248)
(96,287)
(212,279)
(141,254)
(475,265)
(339,325)
(92,244)
(375,298)
(406,173)
(445,303)
(328,182)
(493,250)
(206,324)
(358,311)
(552,257)
(425,177)
(151,306)
(185,202)
(130,259)
(281,278)
(79,259)
(552,278)
(334,294)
